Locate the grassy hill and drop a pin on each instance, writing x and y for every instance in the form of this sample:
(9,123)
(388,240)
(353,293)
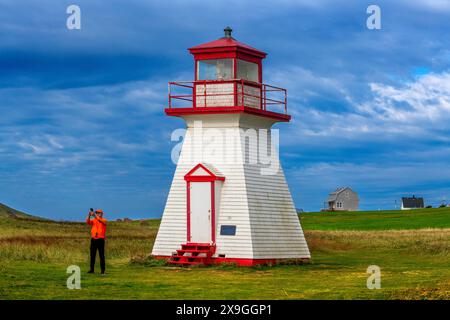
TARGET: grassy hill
(411,248)
(377,220)
(7,212)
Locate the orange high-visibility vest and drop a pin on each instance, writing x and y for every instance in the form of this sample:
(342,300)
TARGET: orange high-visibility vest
(98,230)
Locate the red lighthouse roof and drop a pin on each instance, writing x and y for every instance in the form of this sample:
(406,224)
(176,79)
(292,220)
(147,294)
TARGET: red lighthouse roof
(226,44)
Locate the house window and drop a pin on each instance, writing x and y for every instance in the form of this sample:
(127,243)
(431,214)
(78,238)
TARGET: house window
(215,69)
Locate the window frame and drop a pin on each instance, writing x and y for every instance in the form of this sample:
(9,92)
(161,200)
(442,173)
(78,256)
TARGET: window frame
(233,69)
(234,57)
(258,71)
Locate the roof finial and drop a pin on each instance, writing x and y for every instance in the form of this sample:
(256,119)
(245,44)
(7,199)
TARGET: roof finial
(228,31)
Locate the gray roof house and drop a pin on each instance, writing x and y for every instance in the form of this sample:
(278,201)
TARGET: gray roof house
(343,199)
(412,203)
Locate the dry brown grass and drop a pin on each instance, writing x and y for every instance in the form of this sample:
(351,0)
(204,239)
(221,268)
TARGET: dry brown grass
(431,241)
(44,241)
(440,292)
(36,240)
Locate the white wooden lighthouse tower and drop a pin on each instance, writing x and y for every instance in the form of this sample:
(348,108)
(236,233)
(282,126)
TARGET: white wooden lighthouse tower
(229,201)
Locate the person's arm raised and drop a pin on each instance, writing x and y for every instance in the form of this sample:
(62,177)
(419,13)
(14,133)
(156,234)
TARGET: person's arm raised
(88,219)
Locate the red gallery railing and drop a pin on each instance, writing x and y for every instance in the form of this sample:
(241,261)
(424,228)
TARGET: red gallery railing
(209,93)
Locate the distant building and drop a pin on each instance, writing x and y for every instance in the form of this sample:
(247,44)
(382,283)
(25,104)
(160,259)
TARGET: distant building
(412,203)
(343,199)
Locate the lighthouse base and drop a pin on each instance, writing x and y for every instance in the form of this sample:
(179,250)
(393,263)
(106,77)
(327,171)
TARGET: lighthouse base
(228,197)
(241,262)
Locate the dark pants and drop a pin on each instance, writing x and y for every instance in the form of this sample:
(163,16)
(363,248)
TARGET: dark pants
(98,244)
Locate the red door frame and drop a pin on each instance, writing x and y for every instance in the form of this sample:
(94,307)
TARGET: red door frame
(212,178)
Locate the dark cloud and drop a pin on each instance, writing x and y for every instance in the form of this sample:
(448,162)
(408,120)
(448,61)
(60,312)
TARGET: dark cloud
(82,119)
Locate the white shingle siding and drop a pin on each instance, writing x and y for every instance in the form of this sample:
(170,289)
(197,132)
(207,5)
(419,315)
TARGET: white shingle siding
(260,206)
(252,96)
(216,95)
(222,94)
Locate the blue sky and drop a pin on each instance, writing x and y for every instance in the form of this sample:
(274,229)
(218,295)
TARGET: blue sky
(82,121)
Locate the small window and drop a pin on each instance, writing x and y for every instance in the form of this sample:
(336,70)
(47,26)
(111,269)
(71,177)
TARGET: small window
(227,230)
(215,69)
(247,70)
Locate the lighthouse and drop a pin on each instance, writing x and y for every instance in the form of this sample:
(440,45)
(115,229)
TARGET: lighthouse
(229,200)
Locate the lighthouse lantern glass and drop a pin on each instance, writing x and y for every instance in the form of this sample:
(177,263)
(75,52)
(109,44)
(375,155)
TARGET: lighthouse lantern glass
(215,69)
(247,70)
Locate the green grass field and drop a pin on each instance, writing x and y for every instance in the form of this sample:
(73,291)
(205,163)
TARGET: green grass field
(377,220)
(412,249)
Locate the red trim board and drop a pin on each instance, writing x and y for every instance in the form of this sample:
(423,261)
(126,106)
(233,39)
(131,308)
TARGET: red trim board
(242,262)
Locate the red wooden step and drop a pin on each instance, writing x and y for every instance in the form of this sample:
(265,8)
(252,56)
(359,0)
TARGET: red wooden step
(189,258)
(192,254)
(196,246)
(193,251)
(186,263)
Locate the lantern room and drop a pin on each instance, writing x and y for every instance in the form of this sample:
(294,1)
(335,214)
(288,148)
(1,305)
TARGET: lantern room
(227,59)
(228,78)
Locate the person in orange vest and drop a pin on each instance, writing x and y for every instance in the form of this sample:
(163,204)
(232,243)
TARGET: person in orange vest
(98,231)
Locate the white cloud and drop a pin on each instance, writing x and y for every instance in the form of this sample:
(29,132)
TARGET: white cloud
(395,144)
(436,5)
(47,144)
(425,100)
(418,109)
(66,128)
(379,185)
(381,176)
